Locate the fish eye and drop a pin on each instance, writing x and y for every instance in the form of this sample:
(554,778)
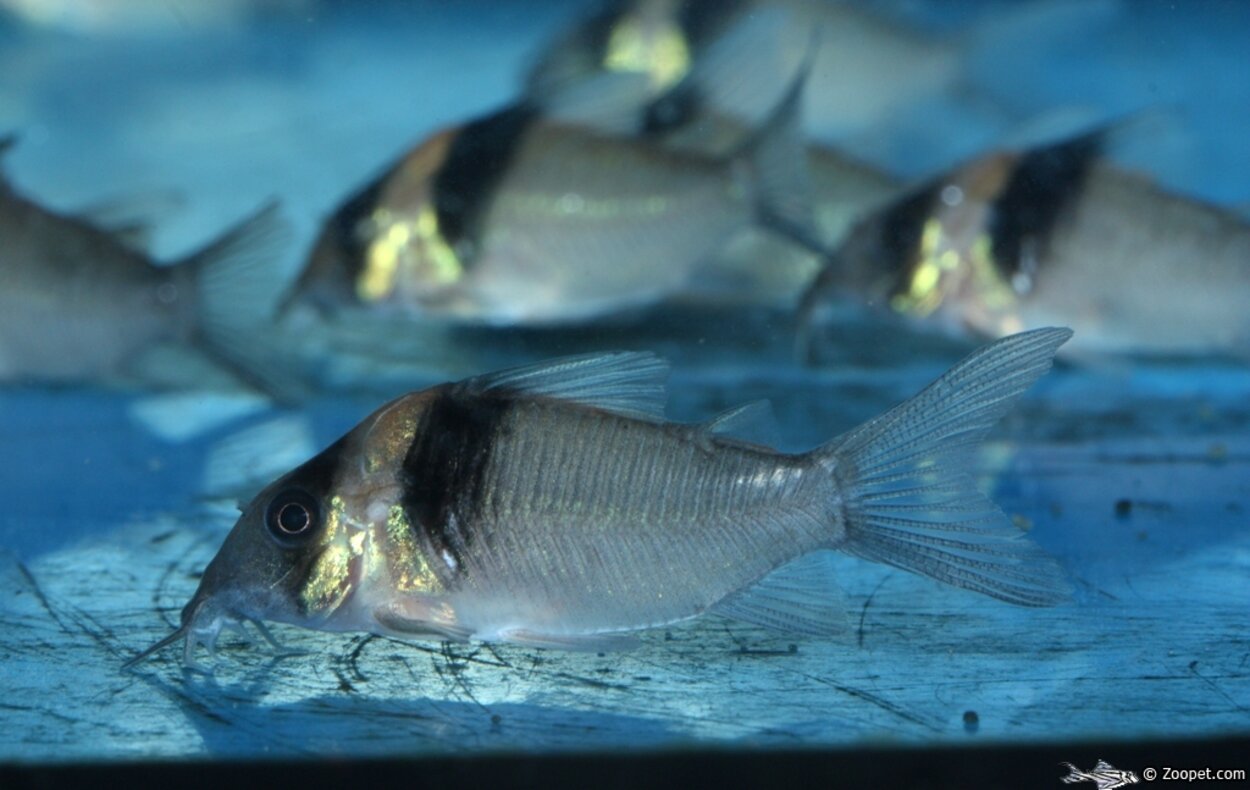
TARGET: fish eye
(292,515)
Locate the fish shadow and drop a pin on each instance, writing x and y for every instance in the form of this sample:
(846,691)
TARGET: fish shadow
(237,720)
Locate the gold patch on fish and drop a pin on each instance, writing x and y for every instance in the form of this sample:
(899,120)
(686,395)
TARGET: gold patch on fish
(410,570)
(329,581)
(995,292)
(401,244)
(381,270)
(923,295)
(939,261)
(665,57)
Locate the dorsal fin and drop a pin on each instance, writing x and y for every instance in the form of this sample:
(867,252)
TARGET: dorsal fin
(630,383)
(739,418)
(739,72)
(750,425)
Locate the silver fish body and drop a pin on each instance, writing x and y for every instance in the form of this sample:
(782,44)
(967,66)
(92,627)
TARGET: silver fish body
(640,218)
(600,529)
(1140,269)
(1014,241)
(552,506)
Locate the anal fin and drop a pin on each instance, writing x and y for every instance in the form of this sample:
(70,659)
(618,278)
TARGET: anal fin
(800,597)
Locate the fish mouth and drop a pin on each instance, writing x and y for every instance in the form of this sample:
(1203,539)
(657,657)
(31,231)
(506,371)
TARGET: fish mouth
(203,621)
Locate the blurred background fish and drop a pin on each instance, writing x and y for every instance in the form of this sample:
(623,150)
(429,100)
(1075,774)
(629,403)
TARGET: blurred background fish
(82,302)
(1015,240)
(564,207)
(874,66)
(540,214)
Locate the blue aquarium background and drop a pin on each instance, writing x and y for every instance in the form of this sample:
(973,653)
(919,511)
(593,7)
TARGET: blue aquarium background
(1134,474)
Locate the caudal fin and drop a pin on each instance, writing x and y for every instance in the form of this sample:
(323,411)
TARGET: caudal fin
(908,498)
(238,280)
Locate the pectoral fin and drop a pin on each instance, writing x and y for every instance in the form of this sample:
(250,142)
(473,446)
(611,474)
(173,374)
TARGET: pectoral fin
(403,620)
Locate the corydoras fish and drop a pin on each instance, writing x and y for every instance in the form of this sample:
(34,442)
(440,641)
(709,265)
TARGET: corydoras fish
(1054,234)
(870,68)
(552,506)
(80,302)
(522,218)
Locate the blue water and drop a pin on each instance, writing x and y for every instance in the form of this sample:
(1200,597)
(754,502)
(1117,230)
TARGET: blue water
(1133,474)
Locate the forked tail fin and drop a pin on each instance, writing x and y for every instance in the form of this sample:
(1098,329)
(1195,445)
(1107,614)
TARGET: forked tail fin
(908,498)
(238,279)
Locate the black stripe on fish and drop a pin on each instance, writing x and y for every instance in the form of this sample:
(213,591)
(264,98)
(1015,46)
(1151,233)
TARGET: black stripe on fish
(1043,184)
(444,470)
(702,21)
(899,230)
(347,227)
(317,475)
(477,161)
(671,111)
(593,37)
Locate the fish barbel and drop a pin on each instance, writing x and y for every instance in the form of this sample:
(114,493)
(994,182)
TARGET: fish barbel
(551,506)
